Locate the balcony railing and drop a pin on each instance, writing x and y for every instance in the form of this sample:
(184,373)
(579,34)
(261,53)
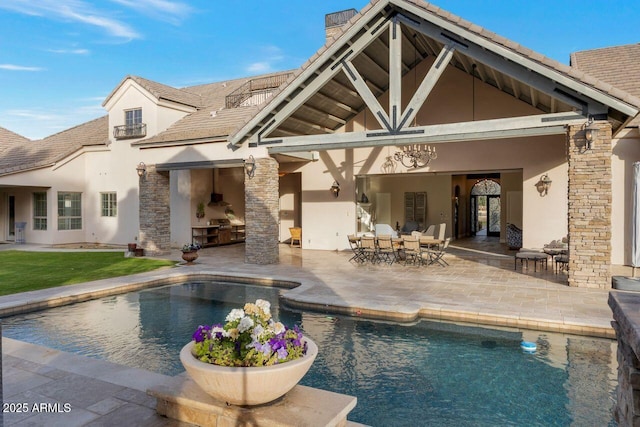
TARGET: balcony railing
(137,130)
(255,91)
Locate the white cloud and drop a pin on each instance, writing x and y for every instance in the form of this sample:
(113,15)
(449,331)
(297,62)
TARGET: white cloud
(163,10)
(13,67)
(271,56)
(71,51)
(259,67)
(72,10)
(40,123)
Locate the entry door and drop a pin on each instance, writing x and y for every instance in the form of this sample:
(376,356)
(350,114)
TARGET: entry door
(493,215)
(12,218)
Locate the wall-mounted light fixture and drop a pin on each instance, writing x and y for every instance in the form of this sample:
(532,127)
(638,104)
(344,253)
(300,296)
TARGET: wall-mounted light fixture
(141,169)
(335,188)
(590,134)
(250,166)
(543,185)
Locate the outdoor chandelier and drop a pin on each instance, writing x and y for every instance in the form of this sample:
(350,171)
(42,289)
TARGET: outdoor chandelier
(416,155)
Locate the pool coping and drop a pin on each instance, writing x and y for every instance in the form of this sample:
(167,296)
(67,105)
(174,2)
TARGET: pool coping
(296,296)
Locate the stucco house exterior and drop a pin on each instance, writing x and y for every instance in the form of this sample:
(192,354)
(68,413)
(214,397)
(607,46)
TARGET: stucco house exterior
(400,73)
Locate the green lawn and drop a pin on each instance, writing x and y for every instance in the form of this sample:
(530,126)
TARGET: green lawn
(22,271)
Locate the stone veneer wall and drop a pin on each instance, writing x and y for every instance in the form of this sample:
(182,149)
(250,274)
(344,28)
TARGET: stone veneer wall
(155,212)
(261,213)
(590,209)
(626,322)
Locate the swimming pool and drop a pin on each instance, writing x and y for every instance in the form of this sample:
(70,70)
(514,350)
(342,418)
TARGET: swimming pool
(428,373)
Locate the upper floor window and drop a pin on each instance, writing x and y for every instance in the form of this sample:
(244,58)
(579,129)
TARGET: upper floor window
(133,117)
(109,204)
(40,211)
(69,211)
(133,127)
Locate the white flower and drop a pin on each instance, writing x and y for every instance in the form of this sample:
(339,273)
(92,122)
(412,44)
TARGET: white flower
(235,314)
(264,305)
(258,331)
(278,328)
(245,324)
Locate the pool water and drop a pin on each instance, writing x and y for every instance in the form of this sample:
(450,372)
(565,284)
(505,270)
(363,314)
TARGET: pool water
(428,373)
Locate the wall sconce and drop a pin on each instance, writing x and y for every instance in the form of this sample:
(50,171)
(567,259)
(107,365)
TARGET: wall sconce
(335,189)
(250,166)
(590,134)
(141,169)
(543,185)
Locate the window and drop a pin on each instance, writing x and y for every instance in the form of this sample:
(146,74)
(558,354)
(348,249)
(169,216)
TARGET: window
(109,204)
(39,211)
(133,117)
(69,211)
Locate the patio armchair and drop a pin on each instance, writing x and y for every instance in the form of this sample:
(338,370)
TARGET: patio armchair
(430,231)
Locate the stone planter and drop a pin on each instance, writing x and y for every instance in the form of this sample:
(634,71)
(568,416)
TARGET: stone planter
(251,385)
(190,256)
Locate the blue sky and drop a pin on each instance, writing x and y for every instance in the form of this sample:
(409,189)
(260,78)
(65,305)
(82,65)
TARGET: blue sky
(59,59)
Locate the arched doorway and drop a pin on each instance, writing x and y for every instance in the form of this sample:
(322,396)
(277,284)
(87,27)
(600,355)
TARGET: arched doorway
(485,208)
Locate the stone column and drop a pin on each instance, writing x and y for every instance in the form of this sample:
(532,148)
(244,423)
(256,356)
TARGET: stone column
(261,196)
(155,212)
(589,208)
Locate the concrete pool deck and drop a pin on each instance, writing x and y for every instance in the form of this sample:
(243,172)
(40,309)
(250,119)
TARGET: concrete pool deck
(479,286)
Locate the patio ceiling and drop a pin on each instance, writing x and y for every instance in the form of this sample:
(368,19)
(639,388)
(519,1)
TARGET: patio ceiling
(324,95)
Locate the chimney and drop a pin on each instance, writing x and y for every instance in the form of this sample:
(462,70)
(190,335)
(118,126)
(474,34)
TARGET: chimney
(333,22)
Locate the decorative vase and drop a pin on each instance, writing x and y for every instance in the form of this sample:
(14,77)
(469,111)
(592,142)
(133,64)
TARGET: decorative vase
(247,385)
(190,256)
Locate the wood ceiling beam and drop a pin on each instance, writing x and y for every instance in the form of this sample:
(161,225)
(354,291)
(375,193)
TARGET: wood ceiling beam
(513,127)
(269,118)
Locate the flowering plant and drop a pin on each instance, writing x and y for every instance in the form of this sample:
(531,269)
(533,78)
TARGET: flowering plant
(191,247)
(250,337)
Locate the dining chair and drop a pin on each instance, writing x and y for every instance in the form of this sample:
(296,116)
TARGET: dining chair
(385,251)
(368,247)
(354,244)
(412,250)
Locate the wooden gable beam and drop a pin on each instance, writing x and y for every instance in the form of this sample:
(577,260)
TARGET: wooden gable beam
(573,93)
(332,67)
(513,127)
(428,83)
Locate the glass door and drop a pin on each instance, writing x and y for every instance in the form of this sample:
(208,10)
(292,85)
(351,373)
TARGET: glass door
(12,218)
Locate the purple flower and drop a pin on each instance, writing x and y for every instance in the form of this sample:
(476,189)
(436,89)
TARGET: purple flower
(201,333)
(282,353)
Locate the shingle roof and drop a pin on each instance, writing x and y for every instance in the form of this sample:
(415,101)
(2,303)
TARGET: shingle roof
(10,139)
(616,65)
(578,75)
(161,91)
(212,120)
(44,152)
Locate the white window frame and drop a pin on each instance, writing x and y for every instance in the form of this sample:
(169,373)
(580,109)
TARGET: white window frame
(109,204)
(69,210)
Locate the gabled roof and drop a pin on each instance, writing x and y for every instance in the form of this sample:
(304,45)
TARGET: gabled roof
(212,120)
(10,139)
(616,65)
(161,92)
(309,104)
(47,151)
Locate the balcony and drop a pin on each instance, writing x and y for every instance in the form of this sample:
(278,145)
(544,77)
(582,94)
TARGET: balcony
(137,130)
(255,91)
